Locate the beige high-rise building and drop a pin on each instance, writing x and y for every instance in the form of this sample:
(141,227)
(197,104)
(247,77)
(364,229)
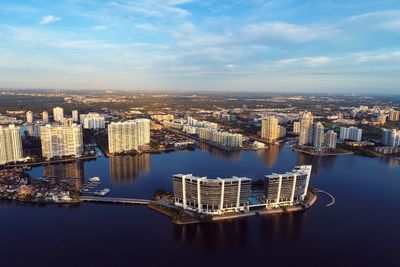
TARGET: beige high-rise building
(270,128)
(306,129)
(10,144)
(319,137)
(296,127)
(330,139)
(75,115)
(128,135)
(45,117)
(382,118)
(394,115)
(58,114)
(29,117)
(58,141)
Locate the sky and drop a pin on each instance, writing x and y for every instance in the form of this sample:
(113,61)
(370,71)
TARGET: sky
(319,46)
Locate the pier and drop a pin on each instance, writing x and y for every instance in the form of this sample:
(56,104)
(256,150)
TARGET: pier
(113,200)
(329,195)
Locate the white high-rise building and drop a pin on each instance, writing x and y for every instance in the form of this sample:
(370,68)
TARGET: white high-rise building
(319,137)
(330,139)
(351,133)
(270,128)
(45,117)
(58,141)
(10,144)
(58,114)
(288,189)
(296,127)
(75,115)
(128,135)
(220,138)
(391,137)
(306,129)
(29,117)
(92,120)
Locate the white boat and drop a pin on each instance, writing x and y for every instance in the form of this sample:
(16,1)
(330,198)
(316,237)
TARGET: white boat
(102,192)
(95,179)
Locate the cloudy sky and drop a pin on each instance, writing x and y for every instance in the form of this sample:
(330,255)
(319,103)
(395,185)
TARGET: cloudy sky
(241,45)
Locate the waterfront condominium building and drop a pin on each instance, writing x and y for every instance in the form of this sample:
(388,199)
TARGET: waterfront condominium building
(58,114)
(220,138)
(75,115)
(394,115)
(128,135)
(296,127)
(92,120)
(306,129)
(29,117)
(45,117)
(319,137)
(350,133)
(10,144)
(270,128)
(391,137)
(330,139)
(288,189)
(58,141)
(211,196)
(381,118)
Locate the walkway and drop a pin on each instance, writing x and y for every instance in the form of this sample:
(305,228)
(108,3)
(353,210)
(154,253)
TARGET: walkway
(329,195)
(114,200)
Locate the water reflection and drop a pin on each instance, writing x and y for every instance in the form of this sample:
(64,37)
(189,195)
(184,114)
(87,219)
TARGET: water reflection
(228,234)
(220,153)
(269,155)
(72,170)
(128,168)
(316,161)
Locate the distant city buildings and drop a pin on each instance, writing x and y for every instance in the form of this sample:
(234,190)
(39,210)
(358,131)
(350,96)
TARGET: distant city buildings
(350,133)
(288,189)
(92,120)
(204,124)
(391,137)
(75,116)
(45,117)
(59,141)
(225,139)
(58,114)
(29,117)
(162,117)
(270,129)
(128,135)
(10,144)
(211,196)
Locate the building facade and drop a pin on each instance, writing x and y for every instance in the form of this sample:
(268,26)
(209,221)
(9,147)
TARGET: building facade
(351,133)
(306,129)
(128,135)
(45,117)
(319,136)
(58,114)
(391,137)
(270,128)
(394,115)
(211,196)
(29,117)
(330,139)
(58,141)
(288,189)
(10,144)
(225,139)
(296,127)
(75,115)
(93,120)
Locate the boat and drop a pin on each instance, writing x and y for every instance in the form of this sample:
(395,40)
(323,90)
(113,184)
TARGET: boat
(94,179)
(102,192)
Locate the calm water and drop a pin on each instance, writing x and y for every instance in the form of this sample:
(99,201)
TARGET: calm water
(361,229)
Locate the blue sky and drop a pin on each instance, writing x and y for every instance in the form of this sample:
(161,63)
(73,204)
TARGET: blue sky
(242,45)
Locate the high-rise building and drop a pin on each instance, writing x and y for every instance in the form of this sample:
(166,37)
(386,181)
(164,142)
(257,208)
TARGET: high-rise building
(45,117)
(319,137)
(382,118)
(394,115)
(306,129)
(221,138)
(211,196)
(92,120)
(58,114)
(296,127)
(270,129)
(10,144)
(391,137)
(288,189)
(58,141)
(75,115)
(29,117)
(351,133)
(330,139)
(128,135)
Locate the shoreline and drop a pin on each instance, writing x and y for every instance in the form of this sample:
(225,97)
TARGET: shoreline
(321,154)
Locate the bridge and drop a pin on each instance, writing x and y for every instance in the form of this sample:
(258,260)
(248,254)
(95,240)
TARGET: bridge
(329,195)
(113,200)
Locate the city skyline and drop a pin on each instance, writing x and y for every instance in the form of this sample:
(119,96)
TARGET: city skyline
(268,46)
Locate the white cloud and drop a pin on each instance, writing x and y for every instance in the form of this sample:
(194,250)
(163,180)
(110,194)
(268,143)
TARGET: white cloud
(146,26)
(49,19)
